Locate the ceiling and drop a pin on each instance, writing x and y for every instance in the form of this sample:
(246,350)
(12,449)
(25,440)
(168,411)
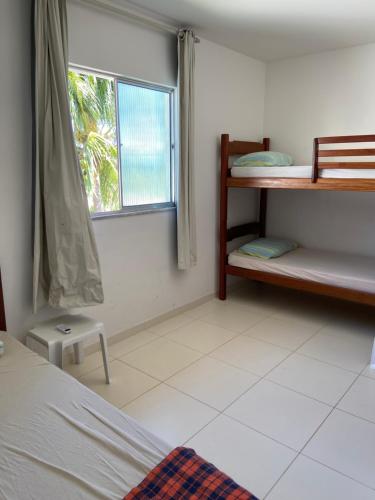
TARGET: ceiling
(272,29)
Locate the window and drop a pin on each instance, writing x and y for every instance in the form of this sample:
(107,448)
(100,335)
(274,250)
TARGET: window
(124,137)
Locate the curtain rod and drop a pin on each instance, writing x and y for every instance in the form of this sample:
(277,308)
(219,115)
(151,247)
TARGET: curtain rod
(137,17)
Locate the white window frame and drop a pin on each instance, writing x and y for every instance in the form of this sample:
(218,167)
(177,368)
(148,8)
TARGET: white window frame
(172,91)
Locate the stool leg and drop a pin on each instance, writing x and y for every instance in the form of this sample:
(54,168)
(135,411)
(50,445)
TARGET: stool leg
(59,355)
(103,343)
(79,354)
(372,362)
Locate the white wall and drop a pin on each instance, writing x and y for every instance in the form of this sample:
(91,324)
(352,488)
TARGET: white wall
(137,252)
(15,160)
(330,93)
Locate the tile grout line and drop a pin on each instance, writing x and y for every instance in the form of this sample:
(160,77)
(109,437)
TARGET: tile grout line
(222,412)
(298,453)
(337,471)
(237,335)
(314,434)
(263,378)
(203,355)
(219,412)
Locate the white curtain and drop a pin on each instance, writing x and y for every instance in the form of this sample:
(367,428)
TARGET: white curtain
(66,264)
(186,230)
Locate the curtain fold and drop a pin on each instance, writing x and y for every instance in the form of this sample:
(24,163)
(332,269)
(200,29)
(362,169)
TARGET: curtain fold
(66,264)
(186,230)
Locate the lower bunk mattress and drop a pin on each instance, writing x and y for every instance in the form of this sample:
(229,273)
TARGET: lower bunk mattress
(330,268)
(302,172)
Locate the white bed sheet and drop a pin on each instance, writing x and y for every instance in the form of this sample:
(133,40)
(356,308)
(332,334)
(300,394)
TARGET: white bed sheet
(58,439)
(331,268)
(301,172)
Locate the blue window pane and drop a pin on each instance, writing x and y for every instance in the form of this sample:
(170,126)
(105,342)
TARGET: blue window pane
(144,123)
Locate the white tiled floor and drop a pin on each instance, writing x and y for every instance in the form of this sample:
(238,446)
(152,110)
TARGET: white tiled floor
(273,386)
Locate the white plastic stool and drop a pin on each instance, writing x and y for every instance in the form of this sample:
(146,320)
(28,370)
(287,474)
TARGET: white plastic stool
(50,343)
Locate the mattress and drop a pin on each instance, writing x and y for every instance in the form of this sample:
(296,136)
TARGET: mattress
(331,268)
(60,440)
(302,172)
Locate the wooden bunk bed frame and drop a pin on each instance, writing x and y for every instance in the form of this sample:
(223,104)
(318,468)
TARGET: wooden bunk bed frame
(233,148)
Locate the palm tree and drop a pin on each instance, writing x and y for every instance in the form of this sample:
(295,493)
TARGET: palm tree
(92,105)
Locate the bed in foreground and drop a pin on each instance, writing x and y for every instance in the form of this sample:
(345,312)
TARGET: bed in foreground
(58,439)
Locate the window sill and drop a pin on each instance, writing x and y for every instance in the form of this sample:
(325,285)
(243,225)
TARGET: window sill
(134,211)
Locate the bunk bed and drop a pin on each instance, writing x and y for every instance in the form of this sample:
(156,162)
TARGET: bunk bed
(326,273)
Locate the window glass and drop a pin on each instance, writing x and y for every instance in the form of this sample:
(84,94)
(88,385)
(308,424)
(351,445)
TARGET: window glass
(144,122)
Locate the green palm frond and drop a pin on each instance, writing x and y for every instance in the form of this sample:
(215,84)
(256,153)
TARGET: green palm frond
(92,104)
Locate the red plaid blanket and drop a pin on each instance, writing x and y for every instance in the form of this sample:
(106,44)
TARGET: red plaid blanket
(185,475)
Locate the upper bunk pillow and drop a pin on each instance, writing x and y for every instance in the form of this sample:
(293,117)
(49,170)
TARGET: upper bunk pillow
(264,159)
(268,248)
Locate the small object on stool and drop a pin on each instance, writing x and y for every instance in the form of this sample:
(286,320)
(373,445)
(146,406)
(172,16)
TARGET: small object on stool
(48,340)
(63,329)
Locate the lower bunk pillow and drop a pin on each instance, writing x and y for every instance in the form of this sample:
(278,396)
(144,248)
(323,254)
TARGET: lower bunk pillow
(182,475)
(268,248)
(331,268)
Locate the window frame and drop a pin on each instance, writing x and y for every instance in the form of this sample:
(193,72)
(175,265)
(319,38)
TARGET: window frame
(172,92)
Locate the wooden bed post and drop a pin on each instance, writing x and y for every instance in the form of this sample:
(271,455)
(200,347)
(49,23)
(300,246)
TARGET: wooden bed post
(3,325)
(263,198)
(315,161)
(262,212)
(223,216)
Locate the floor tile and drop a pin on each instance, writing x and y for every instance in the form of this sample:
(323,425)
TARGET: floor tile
(170,324)
(281,414)
(201,336)
(131,343)
(313,378)
(282,332)
(126,383)
(308,480)
(203,309)
(347,444)
(213,382)
(233,317)
(90,362)
(338,349)
(250,354)
(169,414)
(360,399)
(253,460)
(252,299)
(162,358)
(305,315)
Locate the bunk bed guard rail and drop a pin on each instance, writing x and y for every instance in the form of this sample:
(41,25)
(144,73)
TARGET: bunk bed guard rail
(322,158)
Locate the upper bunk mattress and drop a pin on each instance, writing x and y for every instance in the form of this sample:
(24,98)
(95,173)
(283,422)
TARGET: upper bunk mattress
(331,268)
(302,172)
(58,439)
